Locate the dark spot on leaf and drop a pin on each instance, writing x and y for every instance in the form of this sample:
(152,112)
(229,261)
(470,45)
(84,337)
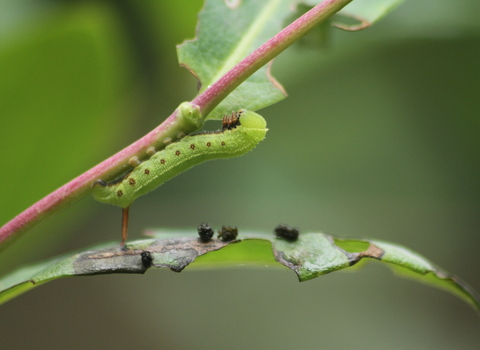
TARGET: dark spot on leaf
(286,232)
(146,258)
(205,232)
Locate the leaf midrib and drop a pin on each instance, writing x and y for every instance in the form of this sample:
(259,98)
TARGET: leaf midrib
(241,49)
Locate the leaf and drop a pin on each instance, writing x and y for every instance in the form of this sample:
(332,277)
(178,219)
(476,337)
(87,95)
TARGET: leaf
(364,13)
(367,12)
(310,256)
(227,32)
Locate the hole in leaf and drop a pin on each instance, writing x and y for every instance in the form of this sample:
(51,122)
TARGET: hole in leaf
(352,246)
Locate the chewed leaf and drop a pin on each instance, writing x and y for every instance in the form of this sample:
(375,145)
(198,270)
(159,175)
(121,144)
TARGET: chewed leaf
(227,32)
(303,256)
(412,265)
(366,12)
(309,256)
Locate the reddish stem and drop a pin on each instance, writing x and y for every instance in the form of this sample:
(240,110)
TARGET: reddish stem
(80,186)
(211,97)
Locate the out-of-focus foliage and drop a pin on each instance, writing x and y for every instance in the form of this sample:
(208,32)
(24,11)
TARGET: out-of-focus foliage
(65,75)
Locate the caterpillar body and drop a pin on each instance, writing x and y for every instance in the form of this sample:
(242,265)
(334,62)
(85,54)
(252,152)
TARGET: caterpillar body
(242,131)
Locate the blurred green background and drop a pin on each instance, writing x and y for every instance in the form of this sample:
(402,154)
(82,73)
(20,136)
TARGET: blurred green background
(379,137)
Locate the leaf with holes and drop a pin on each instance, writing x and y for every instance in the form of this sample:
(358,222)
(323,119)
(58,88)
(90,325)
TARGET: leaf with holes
(309,256)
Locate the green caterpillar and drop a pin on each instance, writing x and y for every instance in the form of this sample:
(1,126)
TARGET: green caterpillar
(242,131)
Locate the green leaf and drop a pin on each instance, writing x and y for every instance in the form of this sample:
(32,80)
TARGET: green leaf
(227,32)
(310,256)
(412,265)
(362,13)
(367,12)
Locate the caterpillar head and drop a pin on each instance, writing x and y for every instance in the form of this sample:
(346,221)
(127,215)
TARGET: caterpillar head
(252,120)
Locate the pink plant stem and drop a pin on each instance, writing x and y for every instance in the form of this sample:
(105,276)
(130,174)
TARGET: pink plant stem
(211,97)
(81,186)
